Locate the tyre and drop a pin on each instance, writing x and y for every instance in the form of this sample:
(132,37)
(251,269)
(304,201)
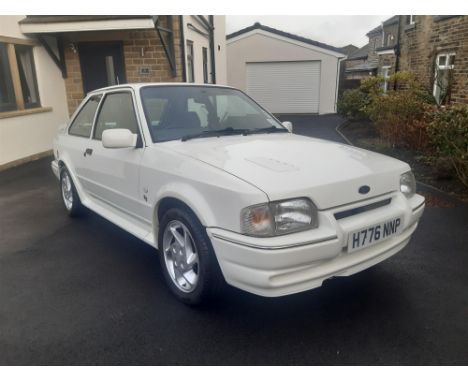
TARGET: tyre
(188,261)
(70,197)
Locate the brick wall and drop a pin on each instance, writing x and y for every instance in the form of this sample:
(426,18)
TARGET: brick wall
(429,36)
(73,82)
(141,48)
(154,56)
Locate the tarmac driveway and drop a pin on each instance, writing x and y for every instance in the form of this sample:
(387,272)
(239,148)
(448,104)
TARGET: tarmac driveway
(82,291)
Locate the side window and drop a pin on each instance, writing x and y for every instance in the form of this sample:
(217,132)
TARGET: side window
(83,122)
(117,112)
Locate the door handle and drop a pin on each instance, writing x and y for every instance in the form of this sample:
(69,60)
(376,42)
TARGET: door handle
(88,152)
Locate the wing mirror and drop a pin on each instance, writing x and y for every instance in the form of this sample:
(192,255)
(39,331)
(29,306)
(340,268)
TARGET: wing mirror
(288,125)
(118,139)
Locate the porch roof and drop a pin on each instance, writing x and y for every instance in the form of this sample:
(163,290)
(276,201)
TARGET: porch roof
(60,24)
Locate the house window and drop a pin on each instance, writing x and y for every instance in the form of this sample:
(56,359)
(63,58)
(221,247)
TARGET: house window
(27,73)
(205,65)
(389,41)
(18,88)
(443,77)
(385,75)
(7,94)
(190,63)
(410,19)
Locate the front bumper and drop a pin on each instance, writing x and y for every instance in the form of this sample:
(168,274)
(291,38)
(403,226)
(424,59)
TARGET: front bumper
(293,263)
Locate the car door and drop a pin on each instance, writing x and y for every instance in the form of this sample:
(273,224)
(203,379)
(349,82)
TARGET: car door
(113,175)
(73,144)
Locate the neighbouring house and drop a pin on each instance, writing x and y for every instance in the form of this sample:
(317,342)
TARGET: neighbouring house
(349,49)
(434,48)
(284,72)
(76,54)
(365,61)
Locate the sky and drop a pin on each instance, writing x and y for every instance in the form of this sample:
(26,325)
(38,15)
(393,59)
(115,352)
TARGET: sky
(333,30)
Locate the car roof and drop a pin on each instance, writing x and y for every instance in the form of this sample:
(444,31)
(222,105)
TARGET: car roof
(140,85)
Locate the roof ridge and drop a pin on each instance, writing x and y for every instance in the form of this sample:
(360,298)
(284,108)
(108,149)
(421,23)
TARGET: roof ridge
(266,28)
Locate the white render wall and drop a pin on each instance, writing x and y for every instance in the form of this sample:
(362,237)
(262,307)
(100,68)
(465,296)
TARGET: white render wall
(26,135)
(260,46)
(220,49)
(200,41)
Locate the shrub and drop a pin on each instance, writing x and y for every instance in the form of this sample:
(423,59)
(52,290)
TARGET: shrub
(351,104)
(448,133)
(400,115)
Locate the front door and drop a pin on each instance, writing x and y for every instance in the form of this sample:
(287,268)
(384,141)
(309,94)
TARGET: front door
(102,64)
(113,175)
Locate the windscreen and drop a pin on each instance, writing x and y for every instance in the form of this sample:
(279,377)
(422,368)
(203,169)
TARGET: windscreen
(174,112)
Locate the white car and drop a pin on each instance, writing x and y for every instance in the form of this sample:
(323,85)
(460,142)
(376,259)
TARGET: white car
(226,192)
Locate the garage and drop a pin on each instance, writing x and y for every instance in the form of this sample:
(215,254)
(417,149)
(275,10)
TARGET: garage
(285,73)
(285,87)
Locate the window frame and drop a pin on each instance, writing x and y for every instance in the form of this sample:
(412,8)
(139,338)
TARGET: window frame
(191,59)
(140,139)
(19,105)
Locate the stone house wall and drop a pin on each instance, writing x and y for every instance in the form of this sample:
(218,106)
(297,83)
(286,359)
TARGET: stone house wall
(420,43)
(375,42)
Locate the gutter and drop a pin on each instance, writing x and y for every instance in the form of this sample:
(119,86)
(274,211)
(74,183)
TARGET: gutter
(397,51)
(338,75)
(212,49)
(182,46)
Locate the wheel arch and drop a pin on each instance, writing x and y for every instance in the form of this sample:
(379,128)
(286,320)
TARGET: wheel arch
(64,164)
(191,201)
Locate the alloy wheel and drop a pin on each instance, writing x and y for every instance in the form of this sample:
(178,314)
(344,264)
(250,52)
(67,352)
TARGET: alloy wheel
(67,191)
(181,256)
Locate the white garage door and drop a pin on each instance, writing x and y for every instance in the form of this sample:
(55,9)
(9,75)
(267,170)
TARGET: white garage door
(285,87)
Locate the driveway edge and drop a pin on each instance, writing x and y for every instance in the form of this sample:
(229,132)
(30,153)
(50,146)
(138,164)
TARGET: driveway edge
(337,129)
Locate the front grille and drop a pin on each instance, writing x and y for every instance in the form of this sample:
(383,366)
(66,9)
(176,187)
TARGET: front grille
(360,210)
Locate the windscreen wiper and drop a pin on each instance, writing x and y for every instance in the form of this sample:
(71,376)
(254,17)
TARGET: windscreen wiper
(269,129)
(215,133)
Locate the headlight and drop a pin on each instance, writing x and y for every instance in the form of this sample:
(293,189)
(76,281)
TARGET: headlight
(408,184)
(279,218)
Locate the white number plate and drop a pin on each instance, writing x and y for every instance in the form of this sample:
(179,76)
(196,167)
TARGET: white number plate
(371,235)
